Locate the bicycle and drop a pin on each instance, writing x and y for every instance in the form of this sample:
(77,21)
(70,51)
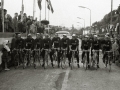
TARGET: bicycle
(85,62)
(36,57)
(27,58)
(108,59)
(16,58)
(63,58)
(72,59)
(94,59)
(46,58)
(55,55)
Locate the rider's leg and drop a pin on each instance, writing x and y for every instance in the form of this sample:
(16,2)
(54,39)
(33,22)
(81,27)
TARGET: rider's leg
(83,54)
(59,55)
(98,60)
(88,59)
(51,58)
(43,56)
(77,57)
(69,57)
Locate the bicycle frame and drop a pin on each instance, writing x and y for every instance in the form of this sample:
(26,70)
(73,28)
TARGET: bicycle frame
(55,55)
(85,59)
(63,60)
(108,59)
(16,58)
(36,57)
(46,58)
(95,57)
(72,59)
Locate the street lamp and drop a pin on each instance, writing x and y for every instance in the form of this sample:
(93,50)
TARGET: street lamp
(90,12)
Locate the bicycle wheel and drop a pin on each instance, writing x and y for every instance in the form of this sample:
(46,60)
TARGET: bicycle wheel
(63,61)
(106,62)
(110,63)
(86,63)
(35,61)
(24,62)
(71,64)
(46,61)
(16,61)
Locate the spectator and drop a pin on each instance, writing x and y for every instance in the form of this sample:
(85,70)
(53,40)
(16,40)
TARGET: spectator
(33,27)
(6,54)
(19,17)
(15,22)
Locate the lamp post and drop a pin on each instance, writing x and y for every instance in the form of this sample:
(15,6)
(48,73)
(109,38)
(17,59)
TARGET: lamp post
(111,17)
(90,13)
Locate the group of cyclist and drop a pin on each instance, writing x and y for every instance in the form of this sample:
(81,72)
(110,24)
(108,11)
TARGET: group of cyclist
(48,43)
(60,45)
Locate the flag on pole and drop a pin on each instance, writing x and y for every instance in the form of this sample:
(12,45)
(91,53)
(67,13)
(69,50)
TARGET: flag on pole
(50,6)
(39,4)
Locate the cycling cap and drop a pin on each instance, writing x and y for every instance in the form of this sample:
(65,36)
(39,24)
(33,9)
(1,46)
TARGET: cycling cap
(64,34)
(29,34)
(73,35)
(95,36)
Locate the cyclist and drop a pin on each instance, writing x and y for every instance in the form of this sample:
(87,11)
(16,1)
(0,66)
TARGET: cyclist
(29,44)
(96,46)
(47,45)
(19,44)
(74,45)
(38,43)
(106,46)
(56,44)
(65,45)
(85,46)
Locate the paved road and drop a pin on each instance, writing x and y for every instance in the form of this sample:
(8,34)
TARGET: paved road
(61,79)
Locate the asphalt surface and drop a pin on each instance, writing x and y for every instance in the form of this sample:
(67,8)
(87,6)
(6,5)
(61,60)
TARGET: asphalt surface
(61,79)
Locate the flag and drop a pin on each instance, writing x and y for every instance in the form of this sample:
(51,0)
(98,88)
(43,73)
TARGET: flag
(50,6)
(39,4)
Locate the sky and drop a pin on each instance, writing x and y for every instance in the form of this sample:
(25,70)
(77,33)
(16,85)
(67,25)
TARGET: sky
(65,11)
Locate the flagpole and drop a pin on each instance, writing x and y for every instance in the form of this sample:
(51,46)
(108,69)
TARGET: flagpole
(40,15)
(2,11)
(45,9)
(48,20)
(33,9)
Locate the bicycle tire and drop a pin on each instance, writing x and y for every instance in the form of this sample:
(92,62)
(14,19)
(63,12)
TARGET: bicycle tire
(71,64)
(110,62)
(46,61)
(24,62)
(16,61)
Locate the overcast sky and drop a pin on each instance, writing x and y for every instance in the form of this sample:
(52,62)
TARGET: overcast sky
(65,11)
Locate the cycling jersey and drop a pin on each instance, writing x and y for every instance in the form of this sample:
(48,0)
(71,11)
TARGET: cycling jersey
(107,45)
(29,42)
(47,43)
(85,44)
(65,43)
(96,45)
(38,43)
(56,42)
(19,43)
(74,43)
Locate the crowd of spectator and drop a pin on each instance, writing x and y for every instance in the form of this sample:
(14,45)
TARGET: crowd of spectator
(19,24)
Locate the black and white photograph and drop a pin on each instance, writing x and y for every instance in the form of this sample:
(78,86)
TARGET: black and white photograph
(59,44)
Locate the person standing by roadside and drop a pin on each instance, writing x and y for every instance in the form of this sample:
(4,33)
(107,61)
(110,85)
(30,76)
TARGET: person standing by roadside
(15,22)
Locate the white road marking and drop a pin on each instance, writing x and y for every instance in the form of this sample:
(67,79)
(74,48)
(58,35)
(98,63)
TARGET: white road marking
(65,81)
